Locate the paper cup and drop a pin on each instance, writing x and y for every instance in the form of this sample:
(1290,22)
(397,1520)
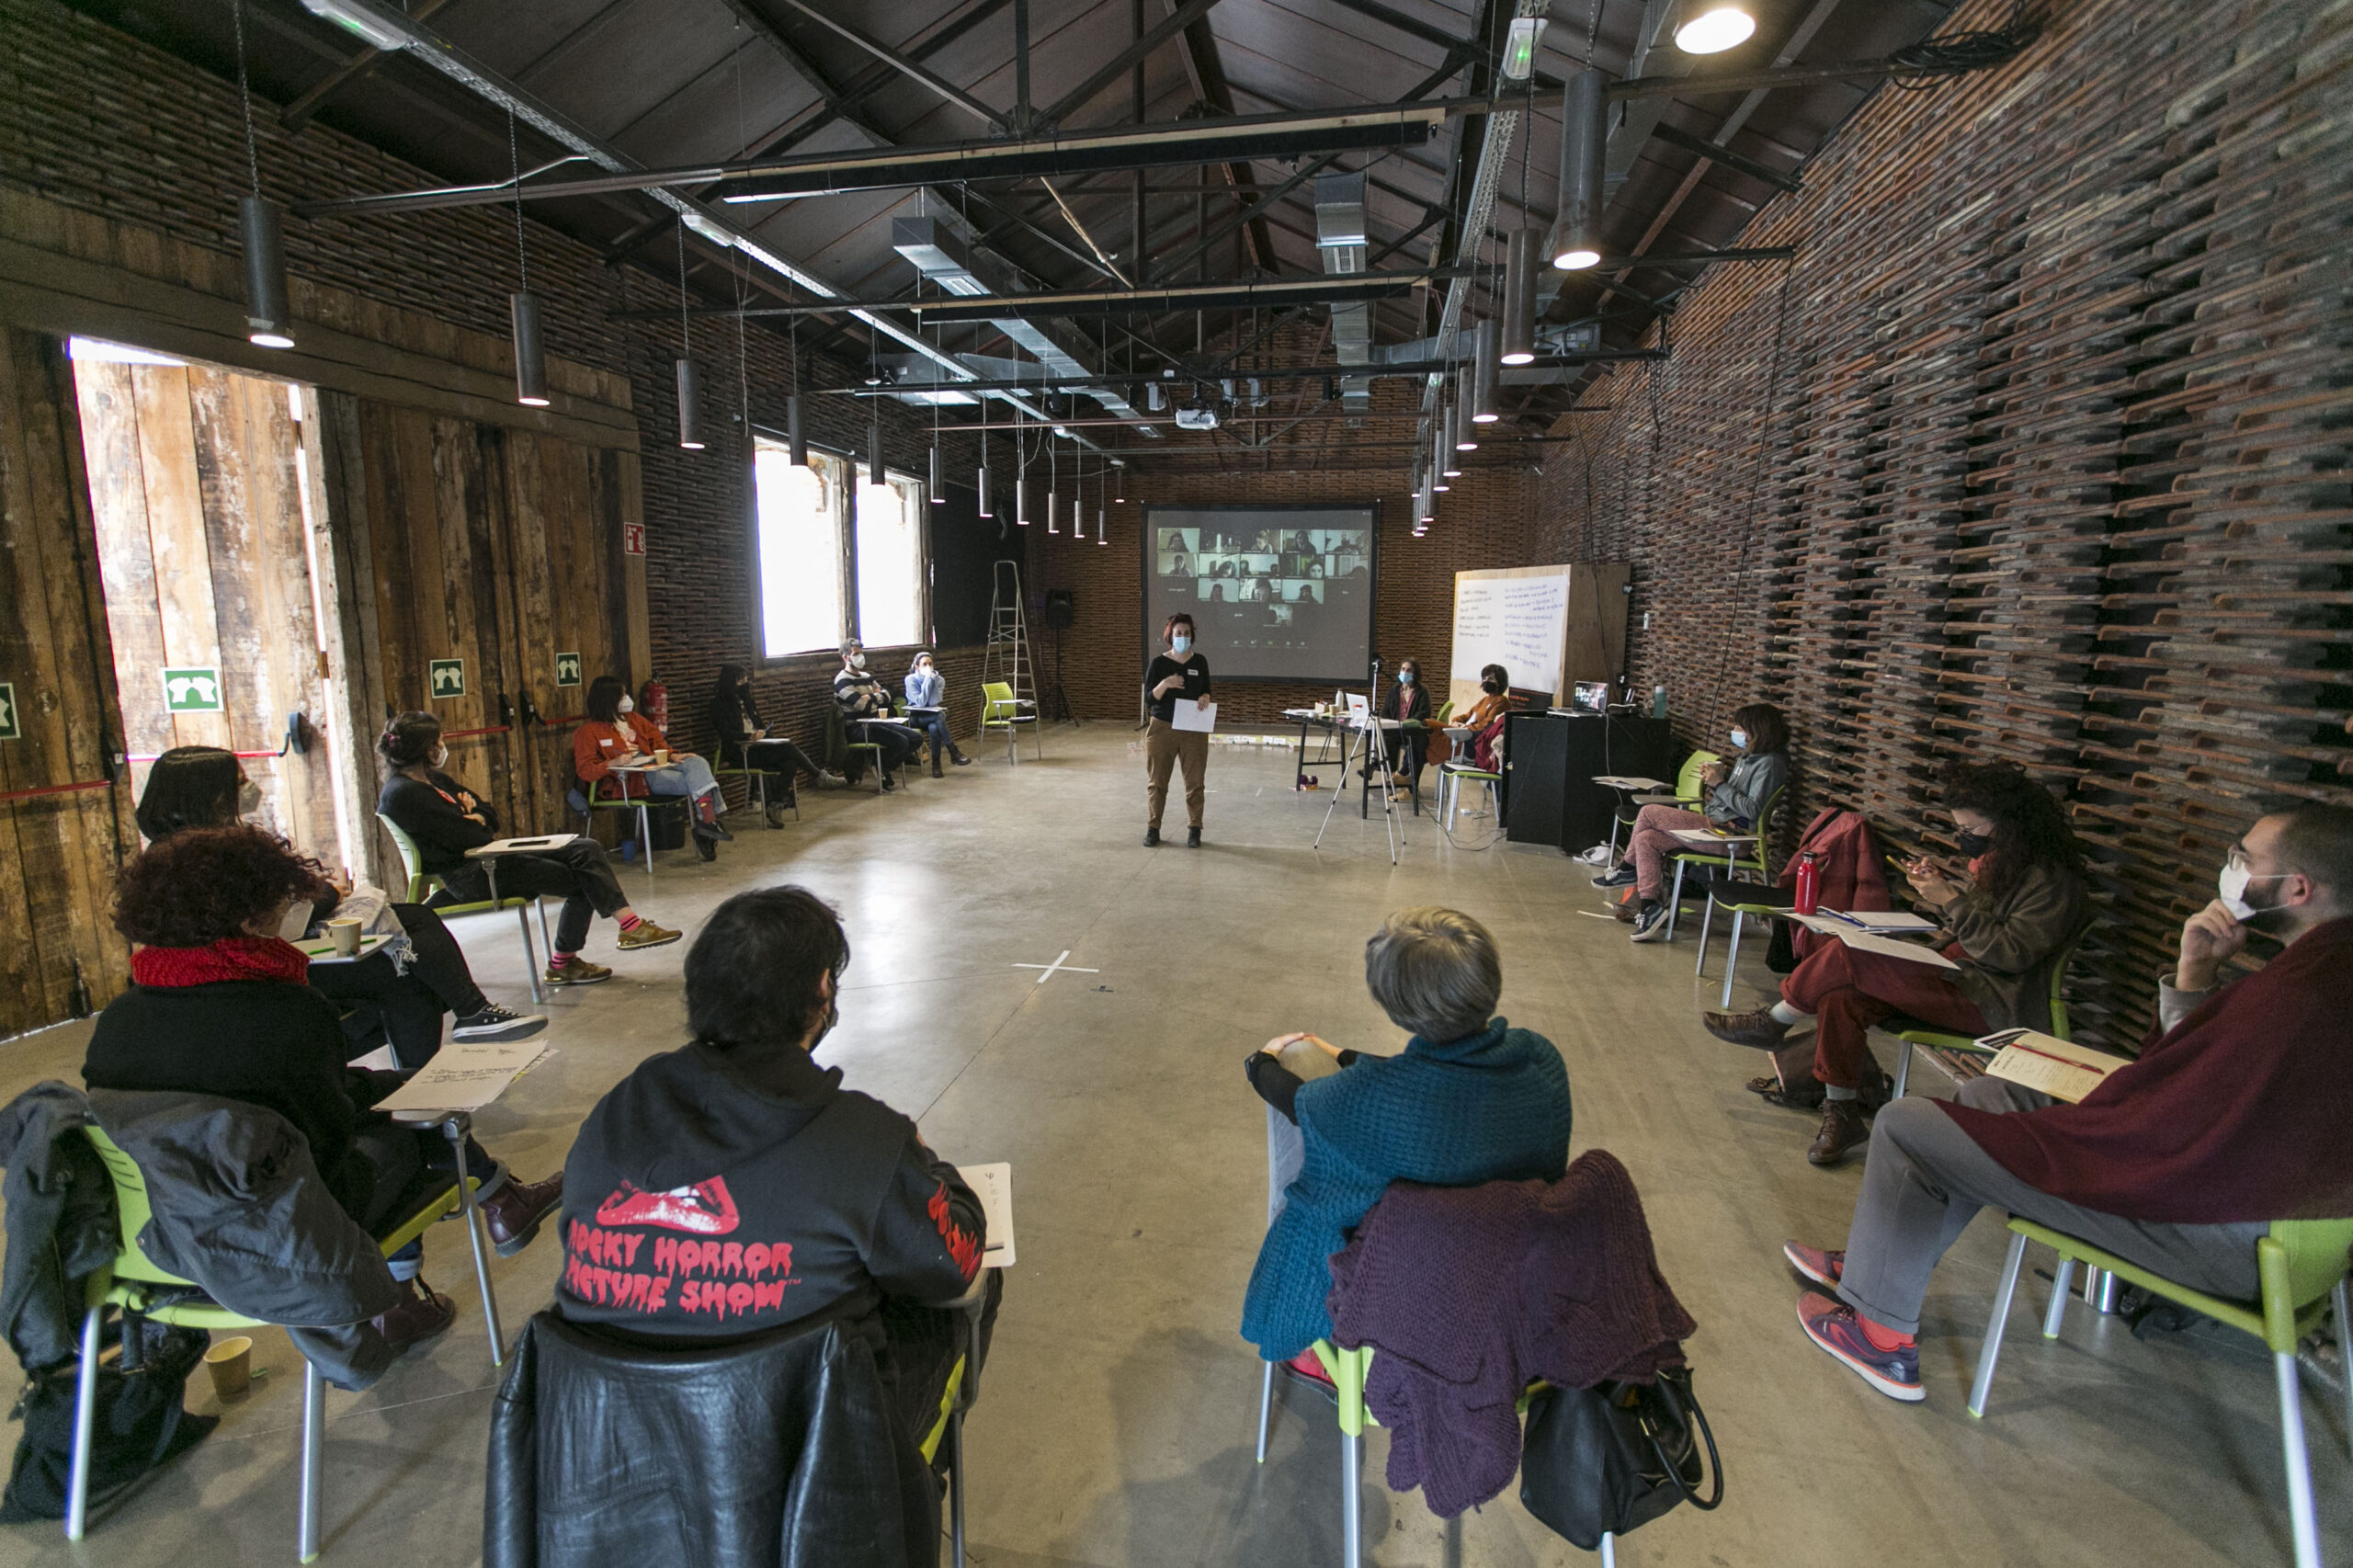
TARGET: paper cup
(231,1362)
(662,755)
(344,933)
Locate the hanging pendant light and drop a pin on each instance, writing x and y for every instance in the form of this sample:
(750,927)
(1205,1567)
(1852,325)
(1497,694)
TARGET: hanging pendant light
(690,406)
(1450,446)
(874,475)
(985,505)
(1020,501)
(1710,26)
(1519,298)
(796,444)
(1585,132)
(938,497)
(1122,480)
(267,318)
(1466,435)
(531,351)
(1486,347)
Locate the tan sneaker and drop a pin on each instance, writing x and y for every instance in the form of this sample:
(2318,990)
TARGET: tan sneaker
(645,934)
(579,972)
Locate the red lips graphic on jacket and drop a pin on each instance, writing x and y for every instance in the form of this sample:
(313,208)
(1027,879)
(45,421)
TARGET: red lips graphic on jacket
(705,1208)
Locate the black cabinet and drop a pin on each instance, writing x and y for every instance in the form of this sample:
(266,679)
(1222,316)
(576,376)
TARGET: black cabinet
(1550,761)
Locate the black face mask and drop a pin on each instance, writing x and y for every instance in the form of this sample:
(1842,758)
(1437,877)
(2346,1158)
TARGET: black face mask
(1973,844)
(1491,689)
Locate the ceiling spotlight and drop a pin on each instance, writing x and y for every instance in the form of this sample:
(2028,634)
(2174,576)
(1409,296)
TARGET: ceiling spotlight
(267,318)
(1710,26)
(1519,298)
(1485,362)
(531,352)
(1585,133)
(1519,47)
(690,406)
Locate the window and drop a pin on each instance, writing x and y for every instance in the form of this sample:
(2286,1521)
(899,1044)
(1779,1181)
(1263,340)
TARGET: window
(801,553)
(889,564)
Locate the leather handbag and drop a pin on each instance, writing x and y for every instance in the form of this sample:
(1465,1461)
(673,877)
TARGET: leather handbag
(1611,1458)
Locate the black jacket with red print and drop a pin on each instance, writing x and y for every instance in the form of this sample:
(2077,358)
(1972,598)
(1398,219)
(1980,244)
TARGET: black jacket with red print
(699,1205)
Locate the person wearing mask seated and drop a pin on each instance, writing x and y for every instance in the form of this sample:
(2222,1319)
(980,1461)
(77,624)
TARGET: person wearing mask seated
(1401,750)
(616,736)
(744,741)
(2233,1116)
(866,711)
(1485,718)
(410,987)
(1469,1100)
(445,819)
(927,710)
(2005,924)
(1737,792)
(219,1004)
(733,1186)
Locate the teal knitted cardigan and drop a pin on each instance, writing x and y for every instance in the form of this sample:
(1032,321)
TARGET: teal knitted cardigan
(1489,1107)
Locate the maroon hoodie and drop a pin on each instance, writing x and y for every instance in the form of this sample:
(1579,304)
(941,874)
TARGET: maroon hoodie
(2242,1113)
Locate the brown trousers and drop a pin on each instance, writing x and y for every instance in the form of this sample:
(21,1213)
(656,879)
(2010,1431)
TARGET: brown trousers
(1164,747)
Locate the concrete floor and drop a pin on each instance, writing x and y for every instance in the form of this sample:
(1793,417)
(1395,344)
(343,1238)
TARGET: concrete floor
(1115,1428)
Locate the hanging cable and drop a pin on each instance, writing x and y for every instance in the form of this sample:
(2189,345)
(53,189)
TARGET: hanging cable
(245,94)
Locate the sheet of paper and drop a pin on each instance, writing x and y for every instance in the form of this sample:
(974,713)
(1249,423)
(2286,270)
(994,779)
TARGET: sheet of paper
(1865,941)
(1885,919)
(1620,782)
(1709,836)
(1192,716)
(993,1184)
(2062,1070)
(520,845)
(463,1077)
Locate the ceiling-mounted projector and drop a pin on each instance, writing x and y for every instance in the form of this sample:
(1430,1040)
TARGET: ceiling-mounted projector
(1197,416)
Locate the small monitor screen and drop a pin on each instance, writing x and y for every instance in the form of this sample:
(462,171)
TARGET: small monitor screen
(1590,695)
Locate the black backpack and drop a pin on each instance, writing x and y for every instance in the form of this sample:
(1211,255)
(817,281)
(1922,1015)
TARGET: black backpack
(137,1427)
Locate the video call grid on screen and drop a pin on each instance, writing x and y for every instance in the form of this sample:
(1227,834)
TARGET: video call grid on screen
(1276,593)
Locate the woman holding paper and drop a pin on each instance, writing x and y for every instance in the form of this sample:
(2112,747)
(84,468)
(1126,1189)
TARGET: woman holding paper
(219,1006)
(2005,924)
(1179,676)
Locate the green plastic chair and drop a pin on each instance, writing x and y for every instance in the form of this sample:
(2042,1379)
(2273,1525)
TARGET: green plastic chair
(423,884)
(2301,1266)
(644,805)
(838,745)
(1914,1033)
(1756,858)
(956,1400)
(1690,795)
(1349,1369)
(756,781)
(1000,710)
(133,1283)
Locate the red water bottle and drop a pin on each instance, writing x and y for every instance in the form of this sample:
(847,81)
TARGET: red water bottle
(1809,883)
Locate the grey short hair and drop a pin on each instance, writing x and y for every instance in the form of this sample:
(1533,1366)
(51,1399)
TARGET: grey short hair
(1435,971)
(850,643)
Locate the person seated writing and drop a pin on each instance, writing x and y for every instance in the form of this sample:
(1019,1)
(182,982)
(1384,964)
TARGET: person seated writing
(2233,1116)
(1737,793)
(408,986)
(866,711)
(805,1200)
(927,710)
(744,741)
(1469,1100)
(445,819)
(616,748)
(219,1006)
(2004,923)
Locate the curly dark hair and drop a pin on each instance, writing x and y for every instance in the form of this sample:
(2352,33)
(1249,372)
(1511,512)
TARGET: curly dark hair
(755,973)
(211,883)
(409,739)
(2029,827)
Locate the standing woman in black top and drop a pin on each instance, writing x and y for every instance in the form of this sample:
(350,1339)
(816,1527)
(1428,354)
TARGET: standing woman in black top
(1179,676)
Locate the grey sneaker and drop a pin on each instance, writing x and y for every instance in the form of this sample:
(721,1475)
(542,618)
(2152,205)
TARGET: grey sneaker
(830,780)
(495,1022)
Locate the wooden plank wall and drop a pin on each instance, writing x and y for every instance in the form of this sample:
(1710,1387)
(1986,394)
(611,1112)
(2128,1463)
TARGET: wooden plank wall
(58,851)
(2036,451)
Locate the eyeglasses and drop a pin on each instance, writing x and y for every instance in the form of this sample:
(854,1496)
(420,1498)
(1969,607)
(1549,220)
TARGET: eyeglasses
(2236,858)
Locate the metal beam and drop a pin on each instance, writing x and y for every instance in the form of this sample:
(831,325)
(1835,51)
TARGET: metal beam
(1717,152)
(1111,70)
(296,115)
(874,81)
(907,65)
(952,309)
(1183,378)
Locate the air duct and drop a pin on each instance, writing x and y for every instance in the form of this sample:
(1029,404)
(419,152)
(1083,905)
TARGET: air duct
(1340,240)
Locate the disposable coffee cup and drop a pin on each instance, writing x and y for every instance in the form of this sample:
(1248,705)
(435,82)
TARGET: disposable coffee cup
(662,755)
(231,1362)
(344,933)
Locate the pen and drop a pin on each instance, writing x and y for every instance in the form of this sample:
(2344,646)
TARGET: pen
(2062,1060)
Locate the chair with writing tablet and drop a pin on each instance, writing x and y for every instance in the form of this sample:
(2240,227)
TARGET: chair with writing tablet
(1954,1048)
(619,799)
(1752,862)
(756,781)
(134,1283)
(2301,1269)
(1000,710)
(423,884)
(1690,795)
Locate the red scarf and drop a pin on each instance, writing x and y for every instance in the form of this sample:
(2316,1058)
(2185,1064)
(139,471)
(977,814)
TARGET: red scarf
(233,958)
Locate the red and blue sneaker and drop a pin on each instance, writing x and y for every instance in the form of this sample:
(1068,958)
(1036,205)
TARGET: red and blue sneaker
(1889,1361)
(1823,1267)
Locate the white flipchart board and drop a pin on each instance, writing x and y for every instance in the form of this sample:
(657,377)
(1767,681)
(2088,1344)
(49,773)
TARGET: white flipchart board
(1549,626)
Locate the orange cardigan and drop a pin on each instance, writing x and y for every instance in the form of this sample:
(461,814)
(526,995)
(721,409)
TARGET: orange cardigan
(594,743)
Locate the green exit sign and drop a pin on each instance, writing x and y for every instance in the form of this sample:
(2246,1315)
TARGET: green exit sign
(195,689)
(446,678)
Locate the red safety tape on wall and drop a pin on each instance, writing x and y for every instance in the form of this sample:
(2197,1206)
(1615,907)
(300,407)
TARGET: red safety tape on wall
(62,788)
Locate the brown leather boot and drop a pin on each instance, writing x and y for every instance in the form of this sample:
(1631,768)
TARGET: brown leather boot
(514,1211)
(1759,1029)
(1843,1130)
(422,1312)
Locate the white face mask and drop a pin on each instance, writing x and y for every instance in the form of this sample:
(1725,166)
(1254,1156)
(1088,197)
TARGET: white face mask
(1181,643)
(249,797)
(625,706)
(1740,739)
(858,660)
(2232,886)
(440,757)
